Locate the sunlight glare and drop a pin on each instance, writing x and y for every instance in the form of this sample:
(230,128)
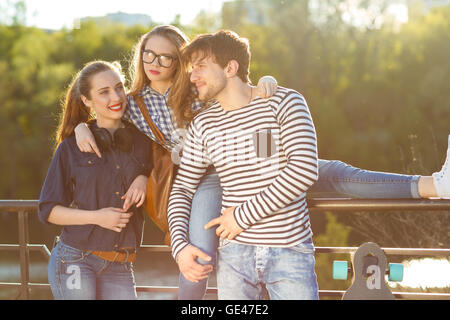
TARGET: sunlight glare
(399,11)
(425,273)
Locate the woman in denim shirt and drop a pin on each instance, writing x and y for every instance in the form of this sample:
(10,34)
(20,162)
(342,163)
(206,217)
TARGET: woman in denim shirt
(97,200)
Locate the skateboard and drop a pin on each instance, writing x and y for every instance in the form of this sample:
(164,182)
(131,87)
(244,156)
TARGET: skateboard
(368,268)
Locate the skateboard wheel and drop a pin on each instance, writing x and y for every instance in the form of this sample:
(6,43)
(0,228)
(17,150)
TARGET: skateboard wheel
(395,272)
(340,270)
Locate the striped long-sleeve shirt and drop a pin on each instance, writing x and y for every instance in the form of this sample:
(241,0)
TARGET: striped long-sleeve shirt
(265,154)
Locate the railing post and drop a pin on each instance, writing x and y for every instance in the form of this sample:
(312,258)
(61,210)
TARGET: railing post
(24,254)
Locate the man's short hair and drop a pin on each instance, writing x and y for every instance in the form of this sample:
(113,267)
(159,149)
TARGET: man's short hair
(223,46)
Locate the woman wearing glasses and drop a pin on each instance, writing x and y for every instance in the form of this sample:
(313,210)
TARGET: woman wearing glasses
(163,81)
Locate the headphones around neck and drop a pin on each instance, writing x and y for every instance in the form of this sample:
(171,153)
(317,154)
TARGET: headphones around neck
(122,138)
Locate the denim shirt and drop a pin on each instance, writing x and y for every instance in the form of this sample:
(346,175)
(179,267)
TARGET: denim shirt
(84,181)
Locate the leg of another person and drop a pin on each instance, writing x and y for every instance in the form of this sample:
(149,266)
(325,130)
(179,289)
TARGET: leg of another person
(206,206)
(338,179)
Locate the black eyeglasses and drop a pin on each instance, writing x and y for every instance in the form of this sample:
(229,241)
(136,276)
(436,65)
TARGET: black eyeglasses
(165,61)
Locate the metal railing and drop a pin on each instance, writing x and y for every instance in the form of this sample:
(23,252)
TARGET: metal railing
(24,207)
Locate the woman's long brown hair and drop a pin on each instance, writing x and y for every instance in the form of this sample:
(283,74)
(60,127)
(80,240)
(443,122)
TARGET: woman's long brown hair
(73,109)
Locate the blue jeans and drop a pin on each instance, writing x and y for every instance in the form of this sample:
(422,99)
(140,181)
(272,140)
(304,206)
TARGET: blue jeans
(336,179)
(74,274)
(206,205)
(246,272)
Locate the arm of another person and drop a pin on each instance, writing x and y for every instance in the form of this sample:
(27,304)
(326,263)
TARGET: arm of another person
(85,139)
(193,166)
(136,193)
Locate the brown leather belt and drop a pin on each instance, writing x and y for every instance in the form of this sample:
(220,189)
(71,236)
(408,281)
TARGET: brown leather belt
(116,256)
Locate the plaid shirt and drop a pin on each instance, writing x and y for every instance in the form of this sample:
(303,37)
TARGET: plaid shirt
(161,114)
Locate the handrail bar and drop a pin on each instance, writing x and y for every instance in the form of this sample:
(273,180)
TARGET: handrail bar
(163,248)
(347,204)
(19,205)
(339,204)
(390,251)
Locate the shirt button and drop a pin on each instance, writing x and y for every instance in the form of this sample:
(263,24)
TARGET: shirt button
(117,192)
(90,162)
(117,166)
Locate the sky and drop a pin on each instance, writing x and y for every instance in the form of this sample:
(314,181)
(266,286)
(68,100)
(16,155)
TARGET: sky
(55,14)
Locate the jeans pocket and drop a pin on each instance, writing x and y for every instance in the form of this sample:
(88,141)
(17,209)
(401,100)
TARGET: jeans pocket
(304,247)
(71,255)
(223,243)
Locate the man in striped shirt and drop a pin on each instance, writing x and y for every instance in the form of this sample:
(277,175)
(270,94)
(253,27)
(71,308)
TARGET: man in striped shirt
(265,154)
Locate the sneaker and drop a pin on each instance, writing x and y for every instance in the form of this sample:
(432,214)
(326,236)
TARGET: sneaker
(441,179)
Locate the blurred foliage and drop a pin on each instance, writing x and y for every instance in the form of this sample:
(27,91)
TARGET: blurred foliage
(335,235)
(379,92)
